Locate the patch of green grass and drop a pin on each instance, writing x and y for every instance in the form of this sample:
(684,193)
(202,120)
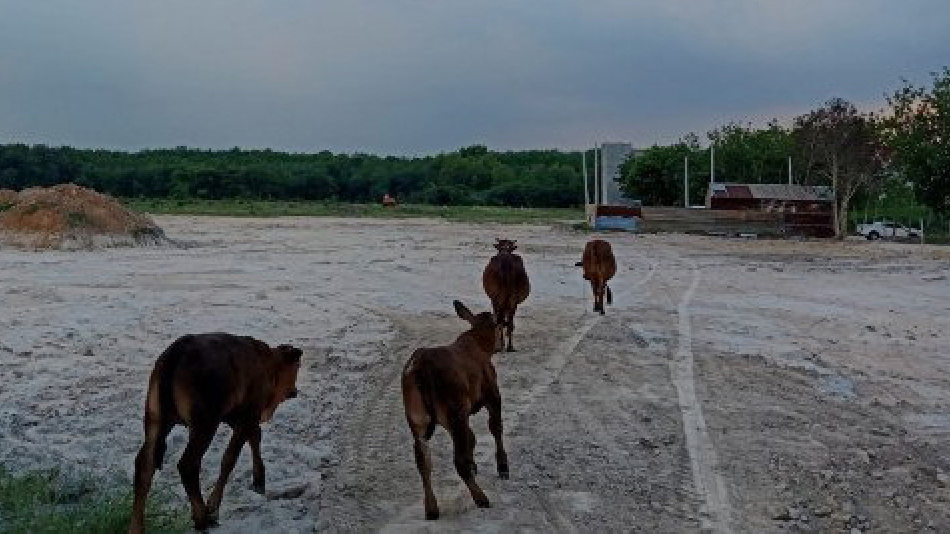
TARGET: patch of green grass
(4,206)
(277,208)
(50,501)
(77,219)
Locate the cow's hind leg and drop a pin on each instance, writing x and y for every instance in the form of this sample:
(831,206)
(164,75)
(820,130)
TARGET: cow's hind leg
(421,425)
(471,440)
(424,464)
(510,327)
(598,295)
(189,467)
(238,437)
(600,298)
(148,459)
(463,450)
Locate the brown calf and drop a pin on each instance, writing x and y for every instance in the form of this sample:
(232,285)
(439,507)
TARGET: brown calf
(201,381)
(506,284)
(599,267)
(444,386)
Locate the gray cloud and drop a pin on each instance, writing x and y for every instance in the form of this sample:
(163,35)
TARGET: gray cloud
(414,77)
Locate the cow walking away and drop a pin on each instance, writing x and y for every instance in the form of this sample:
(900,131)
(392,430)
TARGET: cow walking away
(599,267)
(444,386)
(506,284)
(201,381)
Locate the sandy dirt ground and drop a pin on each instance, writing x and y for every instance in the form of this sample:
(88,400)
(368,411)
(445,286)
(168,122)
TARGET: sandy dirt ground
(734,386)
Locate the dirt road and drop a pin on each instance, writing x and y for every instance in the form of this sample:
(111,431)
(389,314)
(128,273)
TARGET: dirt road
(733,386)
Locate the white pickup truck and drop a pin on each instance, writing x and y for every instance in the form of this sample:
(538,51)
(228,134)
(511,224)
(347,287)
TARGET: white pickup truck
(888,230)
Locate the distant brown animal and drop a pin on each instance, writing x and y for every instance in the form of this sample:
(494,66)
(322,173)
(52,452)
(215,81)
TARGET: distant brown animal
(599,267)
(444,386)
(506,284)
(201,381)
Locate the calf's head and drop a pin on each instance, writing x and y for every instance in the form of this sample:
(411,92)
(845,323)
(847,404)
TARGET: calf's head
(287,364)
(506,245)
(486,330)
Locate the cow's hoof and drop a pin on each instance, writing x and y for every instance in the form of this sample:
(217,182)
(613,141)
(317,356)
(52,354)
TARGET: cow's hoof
(482,503)
(503,474)
(257,488)
(202,525)
(511,349)
(432,515)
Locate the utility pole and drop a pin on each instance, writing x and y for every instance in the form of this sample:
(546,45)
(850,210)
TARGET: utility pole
(598,162)
(584,172)
(712,163)
(789,170)
(685,181)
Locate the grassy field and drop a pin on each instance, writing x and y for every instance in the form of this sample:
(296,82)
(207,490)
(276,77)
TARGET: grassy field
(52,502)
(937,230)
(277,208)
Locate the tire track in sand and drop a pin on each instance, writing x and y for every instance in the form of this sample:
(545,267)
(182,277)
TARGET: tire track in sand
(707,479)
(367,448)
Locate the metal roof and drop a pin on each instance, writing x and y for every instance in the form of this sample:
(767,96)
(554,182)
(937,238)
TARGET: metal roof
(771,191)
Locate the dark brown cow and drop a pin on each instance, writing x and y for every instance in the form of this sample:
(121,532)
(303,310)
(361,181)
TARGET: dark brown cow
(506,284)
(201,381)
(444,386)
(599,267)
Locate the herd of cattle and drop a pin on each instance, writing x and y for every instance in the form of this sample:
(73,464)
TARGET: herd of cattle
(203,380)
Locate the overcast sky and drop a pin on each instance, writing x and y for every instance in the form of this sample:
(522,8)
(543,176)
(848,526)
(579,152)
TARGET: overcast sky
(411,77)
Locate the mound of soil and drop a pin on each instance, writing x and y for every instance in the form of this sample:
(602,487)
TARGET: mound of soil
(8,198)
(68,216)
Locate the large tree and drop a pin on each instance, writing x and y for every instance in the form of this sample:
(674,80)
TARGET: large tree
(918,132)
(841,147)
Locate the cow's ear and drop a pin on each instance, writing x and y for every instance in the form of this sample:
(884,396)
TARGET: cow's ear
(290,353)
(462,311)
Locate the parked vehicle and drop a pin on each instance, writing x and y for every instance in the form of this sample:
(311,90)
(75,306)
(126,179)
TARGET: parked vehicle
(887,230)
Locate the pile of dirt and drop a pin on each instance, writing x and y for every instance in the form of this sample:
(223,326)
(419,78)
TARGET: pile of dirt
(68,216)
(8,197)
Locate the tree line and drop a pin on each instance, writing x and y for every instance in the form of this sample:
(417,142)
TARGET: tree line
(858,153)
(472,175)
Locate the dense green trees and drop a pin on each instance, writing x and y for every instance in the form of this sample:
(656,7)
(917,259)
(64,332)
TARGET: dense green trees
(918,132)
(472,175)
(656,176)
(743,154)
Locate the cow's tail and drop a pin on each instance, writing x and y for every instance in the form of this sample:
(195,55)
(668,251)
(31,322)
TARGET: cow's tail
(425,382)
(610,295)
(160,403)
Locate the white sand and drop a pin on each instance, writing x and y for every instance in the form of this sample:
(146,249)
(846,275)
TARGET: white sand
(803,353)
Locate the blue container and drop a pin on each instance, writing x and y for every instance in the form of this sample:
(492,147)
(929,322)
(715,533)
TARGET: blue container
(608,222)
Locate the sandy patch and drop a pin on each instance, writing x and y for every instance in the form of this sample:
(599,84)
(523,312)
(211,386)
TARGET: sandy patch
(821,371)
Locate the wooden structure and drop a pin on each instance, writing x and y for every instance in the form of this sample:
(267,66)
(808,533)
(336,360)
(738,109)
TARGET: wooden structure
(804,210)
